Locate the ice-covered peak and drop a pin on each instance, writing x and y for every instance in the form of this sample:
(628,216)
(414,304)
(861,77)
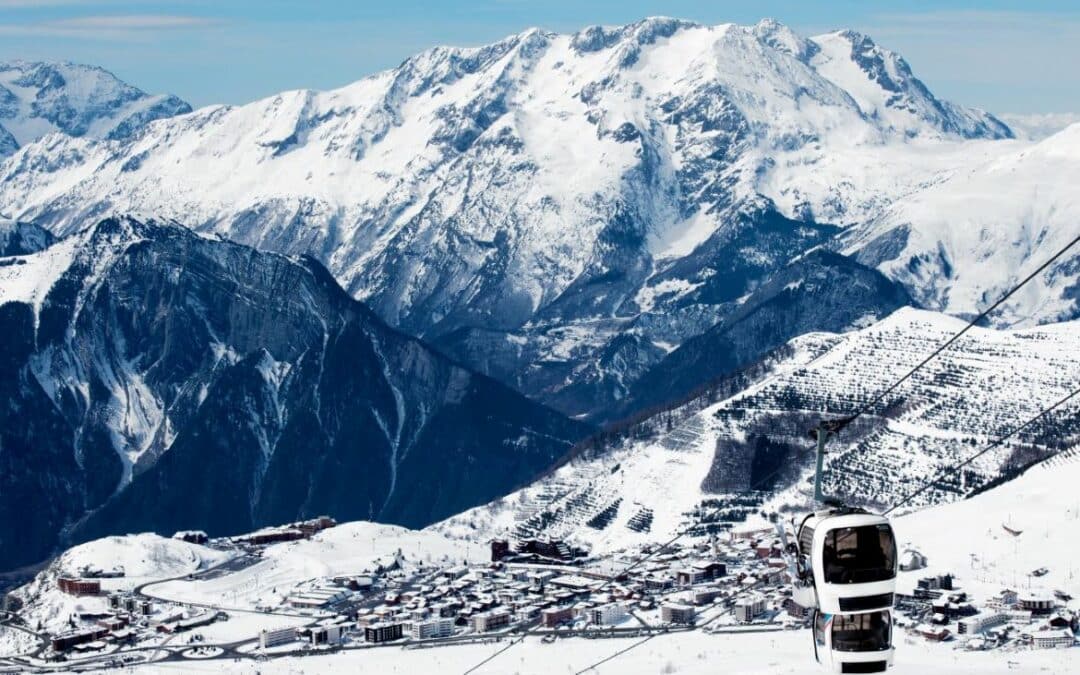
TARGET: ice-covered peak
(646,31)
(782,38)
(882,83)
(38,98)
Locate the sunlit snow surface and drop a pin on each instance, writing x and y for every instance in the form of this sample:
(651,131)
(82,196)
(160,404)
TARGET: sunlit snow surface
(142,557)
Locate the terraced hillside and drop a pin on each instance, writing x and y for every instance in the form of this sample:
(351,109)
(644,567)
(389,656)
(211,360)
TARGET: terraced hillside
(723,458)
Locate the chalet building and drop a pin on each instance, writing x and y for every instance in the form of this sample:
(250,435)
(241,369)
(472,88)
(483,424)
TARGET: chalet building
(981,622)
(270,536)
(911,560)
(315,525)
(62,643)
(191,623)
(1061,638)
(933,633)
(795,610)
(79,586)
(317,598)
(431,629)
(748,609)
(500,548)
(112,623)
(327,635)
(943,582)
(1007,597)
(704,596)
(273,638)
(1037,603)
(689,576)
(557,550)
(606,615)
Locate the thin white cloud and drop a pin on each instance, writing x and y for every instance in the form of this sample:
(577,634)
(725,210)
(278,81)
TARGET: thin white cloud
(109,27)
(134,22)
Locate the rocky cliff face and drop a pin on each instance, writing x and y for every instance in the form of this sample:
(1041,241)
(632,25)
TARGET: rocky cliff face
(154,379)
(18,238)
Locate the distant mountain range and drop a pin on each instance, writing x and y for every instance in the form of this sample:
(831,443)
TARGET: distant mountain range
(37,99)
(153,379)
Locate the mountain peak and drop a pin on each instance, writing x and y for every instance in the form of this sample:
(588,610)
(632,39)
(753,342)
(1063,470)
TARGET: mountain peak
(41,97)
(596,38)
(884,86)
(782,38)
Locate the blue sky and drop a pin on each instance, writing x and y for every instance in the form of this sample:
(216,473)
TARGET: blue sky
(1005,56)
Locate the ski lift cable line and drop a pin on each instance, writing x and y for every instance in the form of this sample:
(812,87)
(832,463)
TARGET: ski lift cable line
(610,657)
(634,565)
(617,654)
(838,424)
(996,444)
(831,426)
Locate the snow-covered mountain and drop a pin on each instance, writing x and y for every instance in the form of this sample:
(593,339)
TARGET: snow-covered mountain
(153,379)
(963,242)
(547,202)
(1037,126)
(715,459)
(37,99)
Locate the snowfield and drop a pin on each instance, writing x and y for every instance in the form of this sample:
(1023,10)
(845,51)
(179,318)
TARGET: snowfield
(969,537)
(349,548)
(141,557)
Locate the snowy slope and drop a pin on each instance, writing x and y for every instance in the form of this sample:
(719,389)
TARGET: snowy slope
(963,242)
(1042,504)
(142,557)
(37,99)
(534,197)
(882,83)
(348,549)
(709,454)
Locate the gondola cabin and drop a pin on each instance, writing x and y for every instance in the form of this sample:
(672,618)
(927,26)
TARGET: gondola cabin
(847,561)
(854,643)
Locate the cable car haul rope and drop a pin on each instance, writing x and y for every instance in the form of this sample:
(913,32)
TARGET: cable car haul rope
(844,560)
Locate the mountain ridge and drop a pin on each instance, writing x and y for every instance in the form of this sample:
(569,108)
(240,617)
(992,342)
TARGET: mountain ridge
(172,381)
